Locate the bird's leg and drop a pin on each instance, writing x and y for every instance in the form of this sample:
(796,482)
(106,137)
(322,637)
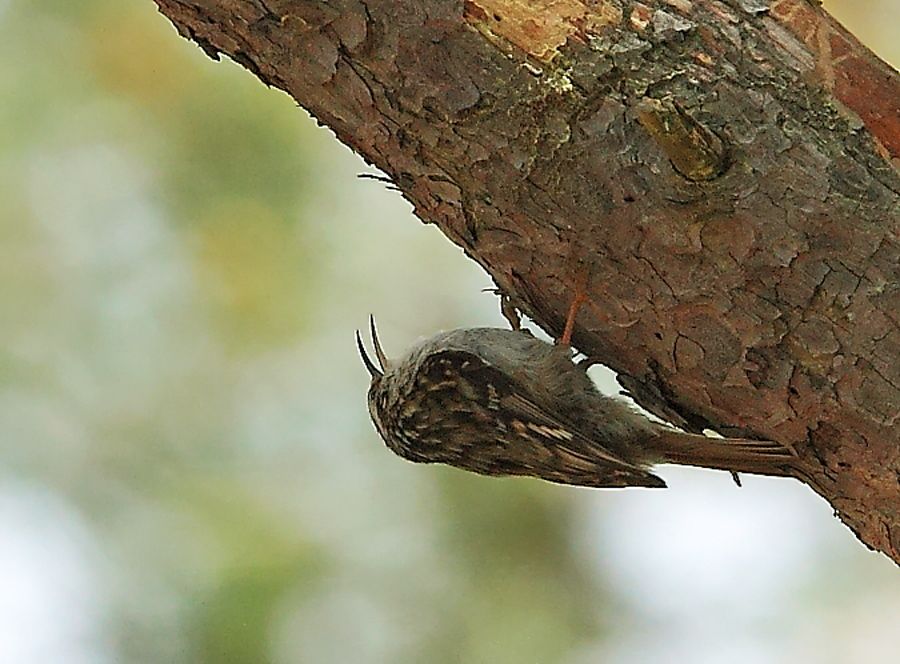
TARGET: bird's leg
(510,313)
(579,299)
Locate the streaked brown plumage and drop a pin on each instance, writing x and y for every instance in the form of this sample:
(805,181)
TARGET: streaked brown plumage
(501,402)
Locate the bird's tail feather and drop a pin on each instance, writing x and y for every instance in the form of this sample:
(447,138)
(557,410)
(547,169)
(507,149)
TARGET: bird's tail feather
(761,457)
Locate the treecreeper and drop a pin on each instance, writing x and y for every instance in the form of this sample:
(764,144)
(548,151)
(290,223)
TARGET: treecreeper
(502,402)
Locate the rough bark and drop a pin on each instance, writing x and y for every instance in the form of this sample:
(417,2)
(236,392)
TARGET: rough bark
(723,172)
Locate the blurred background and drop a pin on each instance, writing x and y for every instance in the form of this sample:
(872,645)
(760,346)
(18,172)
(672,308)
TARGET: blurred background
(187,468)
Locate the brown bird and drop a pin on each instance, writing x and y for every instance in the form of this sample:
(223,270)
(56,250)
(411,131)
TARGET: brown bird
(501,402)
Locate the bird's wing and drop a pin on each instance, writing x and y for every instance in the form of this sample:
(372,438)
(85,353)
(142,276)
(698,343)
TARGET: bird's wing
(556,449)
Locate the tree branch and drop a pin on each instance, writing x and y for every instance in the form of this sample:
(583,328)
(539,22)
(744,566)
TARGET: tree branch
(724,171)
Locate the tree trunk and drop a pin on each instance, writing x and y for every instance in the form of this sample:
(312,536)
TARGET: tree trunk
(723,173)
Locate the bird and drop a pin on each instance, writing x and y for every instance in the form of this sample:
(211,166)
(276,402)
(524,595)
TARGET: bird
(502,402)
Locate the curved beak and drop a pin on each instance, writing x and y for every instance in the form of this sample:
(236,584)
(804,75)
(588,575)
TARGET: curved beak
(370,366)
(379,353)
